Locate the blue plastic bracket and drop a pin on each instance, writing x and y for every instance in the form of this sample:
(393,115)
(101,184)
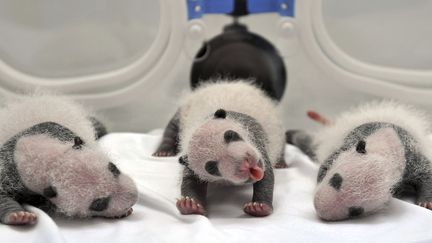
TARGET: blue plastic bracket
(197,8)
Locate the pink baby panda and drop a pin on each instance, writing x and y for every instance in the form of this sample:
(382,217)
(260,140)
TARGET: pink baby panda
(50,158)
(227,132)
(369,155)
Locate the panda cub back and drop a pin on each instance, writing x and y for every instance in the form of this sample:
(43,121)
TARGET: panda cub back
(19,115)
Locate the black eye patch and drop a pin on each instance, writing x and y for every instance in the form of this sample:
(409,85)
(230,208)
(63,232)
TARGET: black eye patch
(50,192)
(361,147)
(114,170)
(336,181)
(100,204)
(212,168)
(231,136)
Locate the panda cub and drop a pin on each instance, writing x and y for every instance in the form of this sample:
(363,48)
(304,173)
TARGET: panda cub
(227,132)
(368,155)
(49,158)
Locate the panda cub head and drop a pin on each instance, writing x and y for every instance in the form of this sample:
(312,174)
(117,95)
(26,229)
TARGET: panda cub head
(360,180)
(221,150)
(78,178)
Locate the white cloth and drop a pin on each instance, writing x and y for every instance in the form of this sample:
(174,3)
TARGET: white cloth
(156,219)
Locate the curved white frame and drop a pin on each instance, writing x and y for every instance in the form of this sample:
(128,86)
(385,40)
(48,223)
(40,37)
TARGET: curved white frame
(348,72)
(114,86)
(412,78)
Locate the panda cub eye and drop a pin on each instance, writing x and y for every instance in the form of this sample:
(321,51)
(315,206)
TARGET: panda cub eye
(114,170)
(361,147)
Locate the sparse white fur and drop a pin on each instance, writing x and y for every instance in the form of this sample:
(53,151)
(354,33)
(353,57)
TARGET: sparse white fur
(415,122)
(239,96)
(80,175)
(19,115)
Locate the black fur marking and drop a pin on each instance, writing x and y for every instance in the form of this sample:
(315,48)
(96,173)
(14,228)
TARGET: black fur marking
(99,127)
(231,136)
(361,147)
(221,113)
(183,160)
(355,211)
(78,142)
(50,192)
(100,204)
(212,168)
(322,172)
(336,181)
(114,170)
(13,192)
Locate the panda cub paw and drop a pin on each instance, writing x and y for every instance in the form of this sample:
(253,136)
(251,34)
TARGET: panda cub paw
(20,218)
(165,151)
(187,205)
(257,209)
(427,205)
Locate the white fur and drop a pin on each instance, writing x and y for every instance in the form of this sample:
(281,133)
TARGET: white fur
(30,110)
(415,122)
(367,178)
(240,96)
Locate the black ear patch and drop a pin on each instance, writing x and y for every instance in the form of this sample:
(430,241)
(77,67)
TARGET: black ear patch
(114,170)
(78,142)
(183,160)
(221,113)
(50,192)
(361,147)
(355,211)
(100,204)
(336,181)
(231,136)
(212,168)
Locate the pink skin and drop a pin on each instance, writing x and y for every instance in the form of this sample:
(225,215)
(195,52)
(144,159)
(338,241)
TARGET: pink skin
(43,161)
(238,161)
(250,170)
(20,218)
(187,205)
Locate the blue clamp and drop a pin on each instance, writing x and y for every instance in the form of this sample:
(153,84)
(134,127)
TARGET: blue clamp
(197,8)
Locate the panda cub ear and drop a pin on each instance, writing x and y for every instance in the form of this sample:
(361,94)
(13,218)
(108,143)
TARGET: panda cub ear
(78,142)
(361,147)
(221,113)
(183,160)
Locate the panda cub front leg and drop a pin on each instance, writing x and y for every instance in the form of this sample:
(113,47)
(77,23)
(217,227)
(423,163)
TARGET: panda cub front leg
(12,213)
(193,194)
(262,200)
(169,145)
(424,191)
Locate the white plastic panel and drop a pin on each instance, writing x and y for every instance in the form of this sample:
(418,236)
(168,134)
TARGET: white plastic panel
(389,33)
(62,38)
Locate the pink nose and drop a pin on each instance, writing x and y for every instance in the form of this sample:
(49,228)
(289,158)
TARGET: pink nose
(255,172)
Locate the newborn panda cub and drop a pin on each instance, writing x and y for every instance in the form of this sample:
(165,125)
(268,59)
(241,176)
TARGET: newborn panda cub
(370,154)
(229,132)
(50,159)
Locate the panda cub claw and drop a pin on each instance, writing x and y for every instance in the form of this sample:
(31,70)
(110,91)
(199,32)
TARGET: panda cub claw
(257,209)
(281,165)
(187,205)
(427,205)
(20,218)
(164,153)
